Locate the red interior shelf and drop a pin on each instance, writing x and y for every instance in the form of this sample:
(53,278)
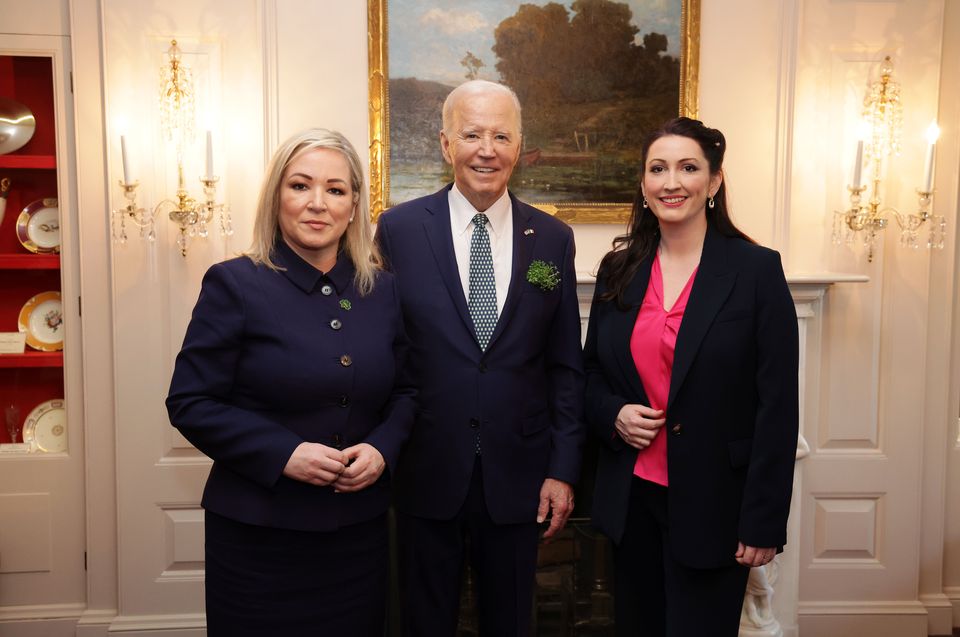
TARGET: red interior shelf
(28,161)
(32,359)
(30,378)
(29,261)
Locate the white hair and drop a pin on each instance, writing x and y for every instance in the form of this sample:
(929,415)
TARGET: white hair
(473,87)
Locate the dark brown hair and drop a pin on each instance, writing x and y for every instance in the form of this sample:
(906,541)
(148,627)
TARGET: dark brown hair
(643,233)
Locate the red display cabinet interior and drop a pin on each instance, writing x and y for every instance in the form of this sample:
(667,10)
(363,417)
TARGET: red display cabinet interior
(27,379)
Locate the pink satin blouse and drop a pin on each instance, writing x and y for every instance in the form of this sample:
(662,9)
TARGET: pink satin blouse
(652,345)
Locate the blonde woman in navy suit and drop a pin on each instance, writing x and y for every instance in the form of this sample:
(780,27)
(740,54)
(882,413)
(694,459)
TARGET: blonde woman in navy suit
(691,359)
(286,380)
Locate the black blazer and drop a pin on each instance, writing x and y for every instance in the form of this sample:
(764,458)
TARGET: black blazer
(524,394)
(732,413)
(272,359)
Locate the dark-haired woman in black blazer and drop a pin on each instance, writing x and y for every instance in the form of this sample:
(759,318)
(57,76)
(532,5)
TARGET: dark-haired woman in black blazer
(691,358)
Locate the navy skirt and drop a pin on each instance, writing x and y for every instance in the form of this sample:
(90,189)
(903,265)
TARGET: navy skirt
(265,581)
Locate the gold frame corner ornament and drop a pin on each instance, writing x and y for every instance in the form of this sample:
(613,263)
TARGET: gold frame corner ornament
(578,212)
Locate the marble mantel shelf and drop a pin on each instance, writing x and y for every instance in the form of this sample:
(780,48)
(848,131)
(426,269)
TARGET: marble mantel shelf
(824,278)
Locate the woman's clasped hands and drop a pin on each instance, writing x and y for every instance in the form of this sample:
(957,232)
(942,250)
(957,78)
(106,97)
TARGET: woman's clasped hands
(350,469)
(638,424)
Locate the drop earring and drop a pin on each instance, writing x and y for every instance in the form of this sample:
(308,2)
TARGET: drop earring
(710,202)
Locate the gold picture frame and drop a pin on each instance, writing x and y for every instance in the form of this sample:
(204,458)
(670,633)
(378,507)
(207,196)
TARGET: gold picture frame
(571,212)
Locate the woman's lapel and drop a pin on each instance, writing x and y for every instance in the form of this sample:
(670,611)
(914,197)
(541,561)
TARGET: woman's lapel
(622,324)
(710,290)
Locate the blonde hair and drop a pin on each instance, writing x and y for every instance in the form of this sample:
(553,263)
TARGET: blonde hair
(357,242)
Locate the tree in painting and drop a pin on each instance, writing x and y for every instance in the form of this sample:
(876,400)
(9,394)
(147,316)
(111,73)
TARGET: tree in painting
(590,90)
(473,64)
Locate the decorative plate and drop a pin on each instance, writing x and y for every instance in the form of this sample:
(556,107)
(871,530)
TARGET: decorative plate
(38,226)
(17,125)
(46,427)
(42,319)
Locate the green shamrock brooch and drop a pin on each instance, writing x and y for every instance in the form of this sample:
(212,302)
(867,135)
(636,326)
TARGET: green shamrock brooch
(345,304)
(544,275)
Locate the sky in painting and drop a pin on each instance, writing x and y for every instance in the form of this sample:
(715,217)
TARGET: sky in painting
(428,38)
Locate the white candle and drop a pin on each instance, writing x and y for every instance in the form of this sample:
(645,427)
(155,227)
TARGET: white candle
(209,155)
(126,164)
(933,132)
(858,165)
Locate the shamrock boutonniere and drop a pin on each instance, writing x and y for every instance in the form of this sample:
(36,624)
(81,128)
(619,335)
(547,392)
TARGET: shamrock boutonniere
(345,304)
(544,275)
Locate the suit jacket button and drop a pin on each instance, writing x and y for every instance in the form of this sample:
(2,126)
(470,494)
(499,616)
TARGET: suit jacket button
(344,401)
(337,441)
(474,423)
(346,361)
(326,290)
(336,324)
(676,429)
(483,368)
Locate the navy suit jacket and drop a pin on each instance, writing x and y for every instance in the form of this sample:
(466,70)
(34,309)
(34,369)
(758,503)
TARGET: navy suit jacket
(523,394)
(264,368)
(732,412)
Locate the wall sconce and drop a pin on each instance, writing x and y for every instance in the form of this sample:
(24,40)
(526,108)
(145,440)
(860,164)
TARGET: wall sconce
(177,116)
(883,119)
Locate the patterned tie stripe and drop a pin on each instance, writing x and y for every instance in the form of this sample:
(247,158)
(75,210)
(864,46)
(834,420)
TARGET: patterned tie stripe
(482,298)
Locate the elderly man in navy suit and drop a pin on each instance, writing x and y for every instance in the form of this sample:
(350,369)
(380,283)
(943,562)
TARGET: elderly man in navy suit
(488,292)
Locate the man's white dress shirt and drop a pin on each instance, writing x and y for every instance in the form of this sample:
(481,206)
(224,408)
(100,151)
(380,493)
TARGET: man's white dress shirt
(500,229)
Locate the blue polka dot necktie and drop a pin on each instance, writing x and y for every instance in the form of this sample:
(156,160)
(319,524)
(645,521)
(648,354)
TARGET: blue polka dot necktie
(482,298)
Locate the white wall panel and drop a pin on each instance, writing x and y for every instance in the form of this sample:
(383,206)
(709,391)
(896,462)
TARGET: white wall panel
(321,70)
(740,71)
(861,507)
(846,528)
(940,573)
(183,531)
(38,17)
(159,476)
(27,546)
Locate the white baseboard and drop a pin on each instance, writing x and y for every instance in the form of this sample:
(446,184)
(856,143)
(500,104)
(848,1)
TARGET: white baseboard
(95,623)
(179,625)
(939,614)
(874,618)
(73,620)
(46,620)
(953,594)
(38,628)
(35,612)
(172,632)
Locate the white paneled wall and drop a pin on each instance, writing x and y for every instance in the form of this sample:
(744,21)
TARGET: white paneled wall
(159,478)
(861,539)
(879,545)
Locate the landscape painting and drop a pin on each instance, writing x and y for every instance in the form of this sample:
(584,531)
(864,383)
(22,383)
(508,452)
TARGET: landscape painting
(593,77)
